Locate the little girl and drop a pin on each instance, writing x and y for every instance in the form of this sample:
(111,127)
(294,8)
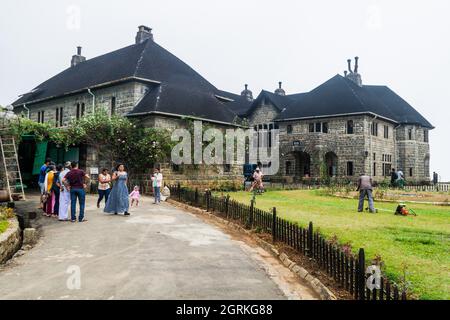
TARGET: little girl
(135,196)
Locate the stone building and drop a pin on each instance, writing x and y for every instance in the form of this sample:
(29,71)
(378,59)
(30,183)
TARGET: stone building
(341,128)
(142,81)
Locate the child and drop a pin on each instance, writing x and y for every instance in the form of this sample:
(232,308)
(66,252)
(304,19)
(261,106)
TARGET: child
(135,196)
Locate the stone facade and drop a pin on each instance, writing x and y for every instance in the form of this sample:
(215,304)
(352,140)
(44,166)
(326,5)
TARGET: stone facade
(335,152)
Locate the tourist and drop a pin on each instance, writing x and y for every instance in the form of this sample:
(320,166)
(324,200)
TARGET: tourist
(118,201)
(365,188)
(157,183)
(394,177)
(435,178)
(135,196)
(56,189)
(104,186)
(75,180)
(257,181)
(50,196)
(41,180)
(64,195)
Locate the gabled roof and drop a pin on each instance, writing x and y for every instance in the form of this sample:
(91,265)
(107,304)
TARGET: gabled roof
(239,104)
(177,88)
(278,101)
(177,100)
(146,60)
(341,96)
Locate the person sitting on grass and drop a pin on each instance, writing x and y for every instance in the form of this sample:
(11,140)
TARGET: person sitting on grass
(365,188)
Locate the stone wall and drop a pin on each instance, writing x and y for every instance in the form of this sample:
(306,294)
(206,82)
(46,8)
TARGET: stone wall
(10,241)
(126,96)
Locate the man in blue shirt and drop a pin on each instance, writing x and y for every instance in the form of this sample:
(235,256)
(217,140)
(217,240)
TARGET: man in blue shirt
(42,173)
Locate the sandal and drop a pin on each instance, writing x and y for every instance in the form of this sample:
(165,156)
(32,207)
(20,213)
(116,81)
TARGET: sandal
(84,220)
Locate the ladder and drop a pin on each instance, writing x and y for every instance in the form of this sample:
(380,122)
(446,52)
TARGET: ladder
(13,176)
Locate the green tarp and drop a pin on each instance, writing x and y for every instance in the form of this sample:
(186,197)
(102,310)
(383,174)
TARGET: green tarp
(39,156)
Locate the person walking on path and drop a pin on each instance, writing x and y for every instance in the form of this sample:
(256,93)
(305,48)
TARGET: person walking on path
(435,178)
(104,186)
(75,180)
(365,188)
(400,179)
(157,183)
(64,195)
(257,183)
(41,180)
(50,196)
(118,200)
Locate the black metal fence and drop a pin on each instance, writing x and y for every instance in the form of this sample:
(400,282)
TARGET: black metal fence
(348,271)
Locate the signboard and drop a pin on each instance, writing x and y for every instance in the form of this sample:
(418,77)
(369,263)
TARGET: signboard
(93,170)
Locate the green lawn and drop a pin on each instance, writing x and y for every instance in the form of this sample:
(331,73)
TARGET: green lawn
(3,226)
(422,242)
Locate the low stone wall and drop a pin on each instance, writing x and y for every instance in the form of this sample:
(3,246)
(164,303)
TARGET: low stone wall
(10,241)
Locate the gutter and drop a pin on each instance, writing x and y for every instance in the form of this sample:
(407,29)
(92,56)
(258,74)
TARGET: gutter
(93,99)
(28,110)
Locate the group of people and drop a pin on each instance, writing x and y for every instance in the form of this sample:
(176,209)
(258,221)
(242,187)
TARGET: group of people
(61,185)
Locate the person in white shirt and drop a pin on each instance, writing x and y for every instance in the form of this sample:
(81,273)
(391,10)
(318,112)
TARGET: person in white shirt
(64,195)
(157,183)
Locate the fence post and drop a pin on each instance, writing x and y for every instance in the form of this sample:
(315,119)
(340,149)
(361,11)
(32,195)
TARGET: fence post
(179,191)
(250,216)
(207,200)
(196,197)
(310,240)
(361,274)
(227,201)
(274,224)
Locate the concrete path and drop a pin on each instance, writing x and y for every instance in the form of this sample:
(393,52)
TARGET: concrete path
(159,252)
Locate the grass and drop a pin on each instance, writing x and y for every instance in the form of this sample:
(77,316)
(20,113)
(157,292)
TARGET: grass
(421,243)
(3,226)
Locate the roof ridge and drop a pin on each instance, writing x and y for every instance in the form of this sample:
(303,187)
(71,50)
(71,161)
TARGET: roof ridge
(141,58)
(353,91)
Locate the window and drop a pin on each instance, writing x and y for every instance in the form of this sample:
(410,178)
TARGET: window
(78,111)
(41,118)
(374,156)
(318,126)
(425,135)
(176,168)
(410,134)
(113,105)
(82,109)
(227,168)
(289,128)
(350,168)
(350,127)
(374,129)
(374,169)
(288,167)
(59,116)
(386,132)
(311,127)
(410,172)
(325,127)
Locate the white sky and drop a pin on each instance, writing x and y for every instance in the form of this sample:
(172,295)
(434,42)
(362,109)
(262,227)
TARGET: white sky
(402,44)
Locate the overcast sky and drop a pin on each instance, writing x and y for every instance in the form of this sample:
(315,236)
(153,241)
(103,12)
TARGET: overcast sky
(402,44)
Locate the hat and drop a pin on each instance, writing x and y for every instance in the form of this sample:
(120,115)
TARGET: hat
(67,164)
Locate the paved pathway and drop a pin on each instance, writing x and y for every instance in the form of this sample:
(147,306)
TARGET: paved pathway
(159,252)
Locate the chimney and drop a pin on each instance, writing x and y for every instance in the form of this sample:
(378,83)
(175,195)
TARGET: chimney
(78,58)
(280,90)
(349,62)
(345,73)
(356,64)
(144,33)
(353,75)
(247,93)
